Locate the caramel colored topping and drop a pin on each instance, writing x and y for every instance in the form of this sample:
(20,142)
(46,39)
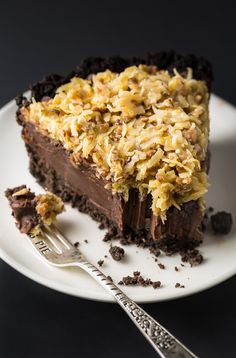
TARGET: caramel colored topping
(142,128)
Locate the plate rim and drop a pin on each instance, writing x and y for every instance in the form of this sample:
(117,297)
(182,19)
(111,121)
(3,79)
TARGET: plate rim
(105,297)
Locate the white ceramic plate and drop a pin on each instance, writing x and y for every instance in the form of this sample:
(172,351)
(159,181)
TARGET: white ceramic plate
(219,252)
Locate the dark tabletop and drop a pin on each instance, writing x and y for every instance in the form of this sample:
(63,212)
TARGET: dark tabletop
(37,38)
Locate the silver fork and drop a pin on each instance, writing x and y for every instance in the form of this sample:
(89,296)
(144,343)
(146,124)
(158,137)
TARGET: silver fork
(58,251)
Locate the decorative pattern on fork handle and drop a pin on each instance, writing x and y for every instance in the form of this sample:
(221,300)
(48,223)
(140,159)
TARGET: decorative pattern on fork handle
(162,341)
(156,333)
(57,250)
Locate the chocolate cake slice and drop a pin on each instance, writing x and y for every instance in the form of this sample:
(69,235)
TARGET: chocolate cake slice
(126,141)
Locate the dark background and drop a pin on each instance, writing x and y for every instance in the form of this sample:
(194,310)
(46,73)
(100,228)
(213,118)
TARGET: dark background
(37,38)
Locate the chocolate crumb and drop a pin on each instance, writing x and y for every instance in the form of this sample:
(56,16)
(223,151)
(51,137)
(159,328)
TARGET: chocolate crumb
(102,226)
(176,268)
(86,241)
(100,263)
(155,251)
(110,278)
(138,280)
(162,267)
(76,244)
(107,237)
(117,252)
(156,284)
(221,222)
(192,256)
(182,265)
(178,285)
(105,256)
(111,234)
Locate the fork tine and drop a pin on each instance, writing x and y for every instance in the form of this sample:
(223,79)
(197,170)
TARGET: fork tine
(49,236)
(61,237)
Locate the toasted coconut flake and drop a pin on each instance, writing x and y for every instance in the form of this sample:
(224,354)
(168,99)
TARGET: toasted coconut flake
(142,128)
(48,207)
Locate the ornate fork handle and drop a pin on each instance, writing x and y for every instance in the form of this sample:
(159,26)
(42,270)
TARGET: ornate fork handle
(162,341)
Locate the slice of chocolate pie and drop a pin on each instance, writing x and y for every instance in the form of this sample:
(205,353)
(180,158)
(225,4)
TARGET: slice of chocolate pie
(31,211)
(126,141)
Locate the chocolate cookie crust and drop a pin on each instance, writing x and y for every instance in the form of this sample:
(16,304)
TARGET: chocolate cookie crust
(169,60)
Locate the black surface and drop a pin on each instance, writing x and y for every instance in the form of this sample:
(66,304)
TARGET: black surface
(42,37)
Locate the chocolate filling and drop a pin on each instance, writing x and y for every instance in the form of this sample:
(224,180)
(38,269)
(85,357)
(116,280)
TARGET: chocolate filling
(134,215)
(23,209)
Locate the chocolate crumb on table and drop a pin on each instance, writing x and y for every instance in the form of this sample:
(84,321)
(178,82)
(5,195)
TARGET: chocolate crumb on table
(110,278)
(138,280)
(221,222)
(76,244)
(176,268)
(162,267)
(86,241)
(117,252)
(100,263)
